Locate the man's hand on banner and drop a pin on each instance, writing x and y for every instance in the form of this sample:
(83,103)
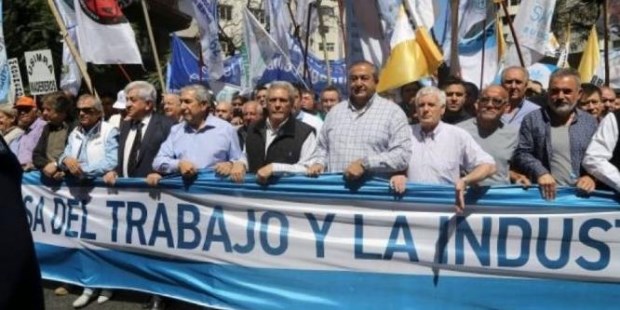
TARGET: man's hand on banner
(152,179)
(110,178)
(315,170)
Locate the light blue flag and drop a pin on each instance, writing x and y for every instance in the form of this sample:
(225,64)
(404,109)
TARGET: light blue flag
(70,76)
(5,78)
(205,13)
(279,23)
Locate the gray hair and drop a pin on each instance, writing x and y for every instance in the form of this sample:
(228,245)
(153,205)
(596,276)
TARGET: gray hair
(146,90)
(201,93)
(523,70)
(8,110)
(97,103)
(431,90)
(292,91)
(566,72)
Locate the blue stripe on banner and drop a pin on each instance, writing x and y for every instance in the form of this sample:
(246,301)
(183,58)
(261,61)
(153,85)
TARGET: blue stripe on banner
(330,187)
(229,286)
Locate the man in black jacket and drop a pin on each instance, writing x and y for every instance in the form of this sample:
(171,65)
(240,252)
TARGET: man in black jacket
(277,145)
(141,133)
(20,287)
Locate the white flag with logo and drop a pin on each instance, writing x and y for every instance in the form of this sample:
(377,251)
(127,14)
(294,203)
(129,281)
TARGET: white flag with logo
(104,33)
(70,76)
(205,13)
(532,28)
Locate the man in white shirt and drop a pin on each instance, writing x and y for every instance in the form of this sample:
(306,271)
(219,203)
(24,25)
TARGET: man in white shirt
(602,159)
(442,149)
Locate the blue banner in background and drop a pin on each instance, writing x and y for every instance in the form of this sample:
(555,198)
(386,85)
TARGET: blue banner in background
(322,244)
(184,68)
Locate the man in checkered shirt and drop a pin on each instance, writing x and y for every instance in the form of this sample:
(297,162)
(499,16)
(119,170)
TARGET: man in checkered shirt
(365,134)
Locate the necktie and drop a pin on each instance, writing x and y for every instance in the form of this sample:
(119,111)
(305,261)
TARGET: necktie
(132,163)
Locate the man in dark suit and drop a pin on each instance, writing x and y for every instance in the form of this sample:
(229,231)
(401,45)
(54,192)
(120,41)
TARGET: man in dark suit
(20,287)
(141,133)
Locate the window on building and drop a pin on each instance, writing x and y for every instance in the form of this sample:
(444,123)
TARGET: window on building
(329,45)
(324,29)
(225,12)
(515,2)
(259,14)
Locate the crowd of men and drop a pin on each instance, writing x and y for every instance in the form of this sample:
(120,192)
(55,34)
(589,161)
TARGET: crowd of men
(453,134)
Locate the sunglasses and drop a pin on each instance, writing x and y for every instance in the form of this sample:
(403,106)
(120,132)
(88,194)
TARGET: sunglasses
(88,110)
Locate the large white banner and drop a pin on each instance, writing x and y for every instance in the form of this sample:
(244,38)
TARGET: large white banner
(304,243)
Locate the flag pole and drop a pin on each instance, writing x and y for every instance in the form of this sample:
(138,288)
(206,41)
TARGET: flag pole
(147,19)
(324,41)
(306,70)
(606,40)
(455,67)
(74,52)
(512,31)
(484,46)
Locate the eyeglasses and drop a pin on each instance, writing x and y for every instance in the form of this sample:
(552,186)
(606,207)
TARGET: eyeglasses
(87,110)
(23,109)
(495,101)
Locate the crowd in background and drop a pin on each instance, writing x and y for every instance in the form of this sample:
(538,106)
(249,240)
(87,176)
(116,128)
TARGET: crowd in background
(516,132)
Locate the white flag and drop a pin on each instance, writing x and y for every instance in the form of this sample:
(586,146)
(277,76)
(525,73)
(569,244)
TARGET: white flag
(472,14)
(104,34)
(305,8)
(279,22)
(365,36)
(424,12)
(205,13)
(532,28)
(70,76)
(475,68)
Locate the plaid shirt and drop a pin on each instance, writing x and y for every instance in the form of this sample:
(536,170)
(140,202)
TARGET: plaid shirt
(378,134)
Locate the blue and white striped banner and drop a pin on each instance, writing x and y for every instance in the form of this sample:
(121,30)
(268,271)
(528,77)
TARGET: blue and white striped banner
(320,244)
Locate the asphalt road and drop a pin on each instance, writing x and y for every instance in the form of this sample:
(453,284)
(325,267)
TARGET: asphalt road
(120,301)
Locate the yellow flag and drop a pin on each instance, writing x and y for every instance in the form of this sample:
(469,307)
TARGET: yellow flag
(501,43)
(413,56)
(590,58)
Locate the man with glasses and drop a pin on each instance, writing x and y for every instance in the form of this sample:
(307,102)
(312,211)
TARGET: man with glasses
(514,81)
(491,134)
(28,120)
(444,153)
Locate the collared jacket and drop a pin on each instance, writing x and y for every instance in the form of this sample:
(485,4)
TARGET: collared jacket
(534,151)
(100,153)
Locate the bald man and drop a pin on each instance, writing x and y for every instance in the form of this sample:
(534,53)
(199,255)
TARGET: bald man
(224,110)
(495,138)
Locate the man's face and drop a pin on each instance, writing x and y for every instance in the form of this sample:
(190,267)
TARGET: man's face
(408,92)
(429,111)
(6,122)
(491,104)
(329,99)
(250,113)
(515,84)
(26,116)
(261,97)
(172,106)
(237,104)
(455,97)
(137,107)
(564,92)
(224,110)
(278,105)
(592,104)
(87,114)
(50,115)
(307,102)
(608,97)
(362,83)
(194,111)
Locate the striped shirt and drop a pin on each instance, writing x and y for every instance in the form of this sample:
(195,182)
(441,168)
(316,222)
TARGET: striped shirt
(378,134)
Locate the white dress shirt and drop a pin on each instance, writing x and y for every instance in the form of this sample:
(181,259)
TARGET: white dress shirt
(600,151)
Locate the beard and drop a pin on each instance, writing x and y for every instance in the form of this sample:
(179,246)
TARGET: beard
(562,108)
